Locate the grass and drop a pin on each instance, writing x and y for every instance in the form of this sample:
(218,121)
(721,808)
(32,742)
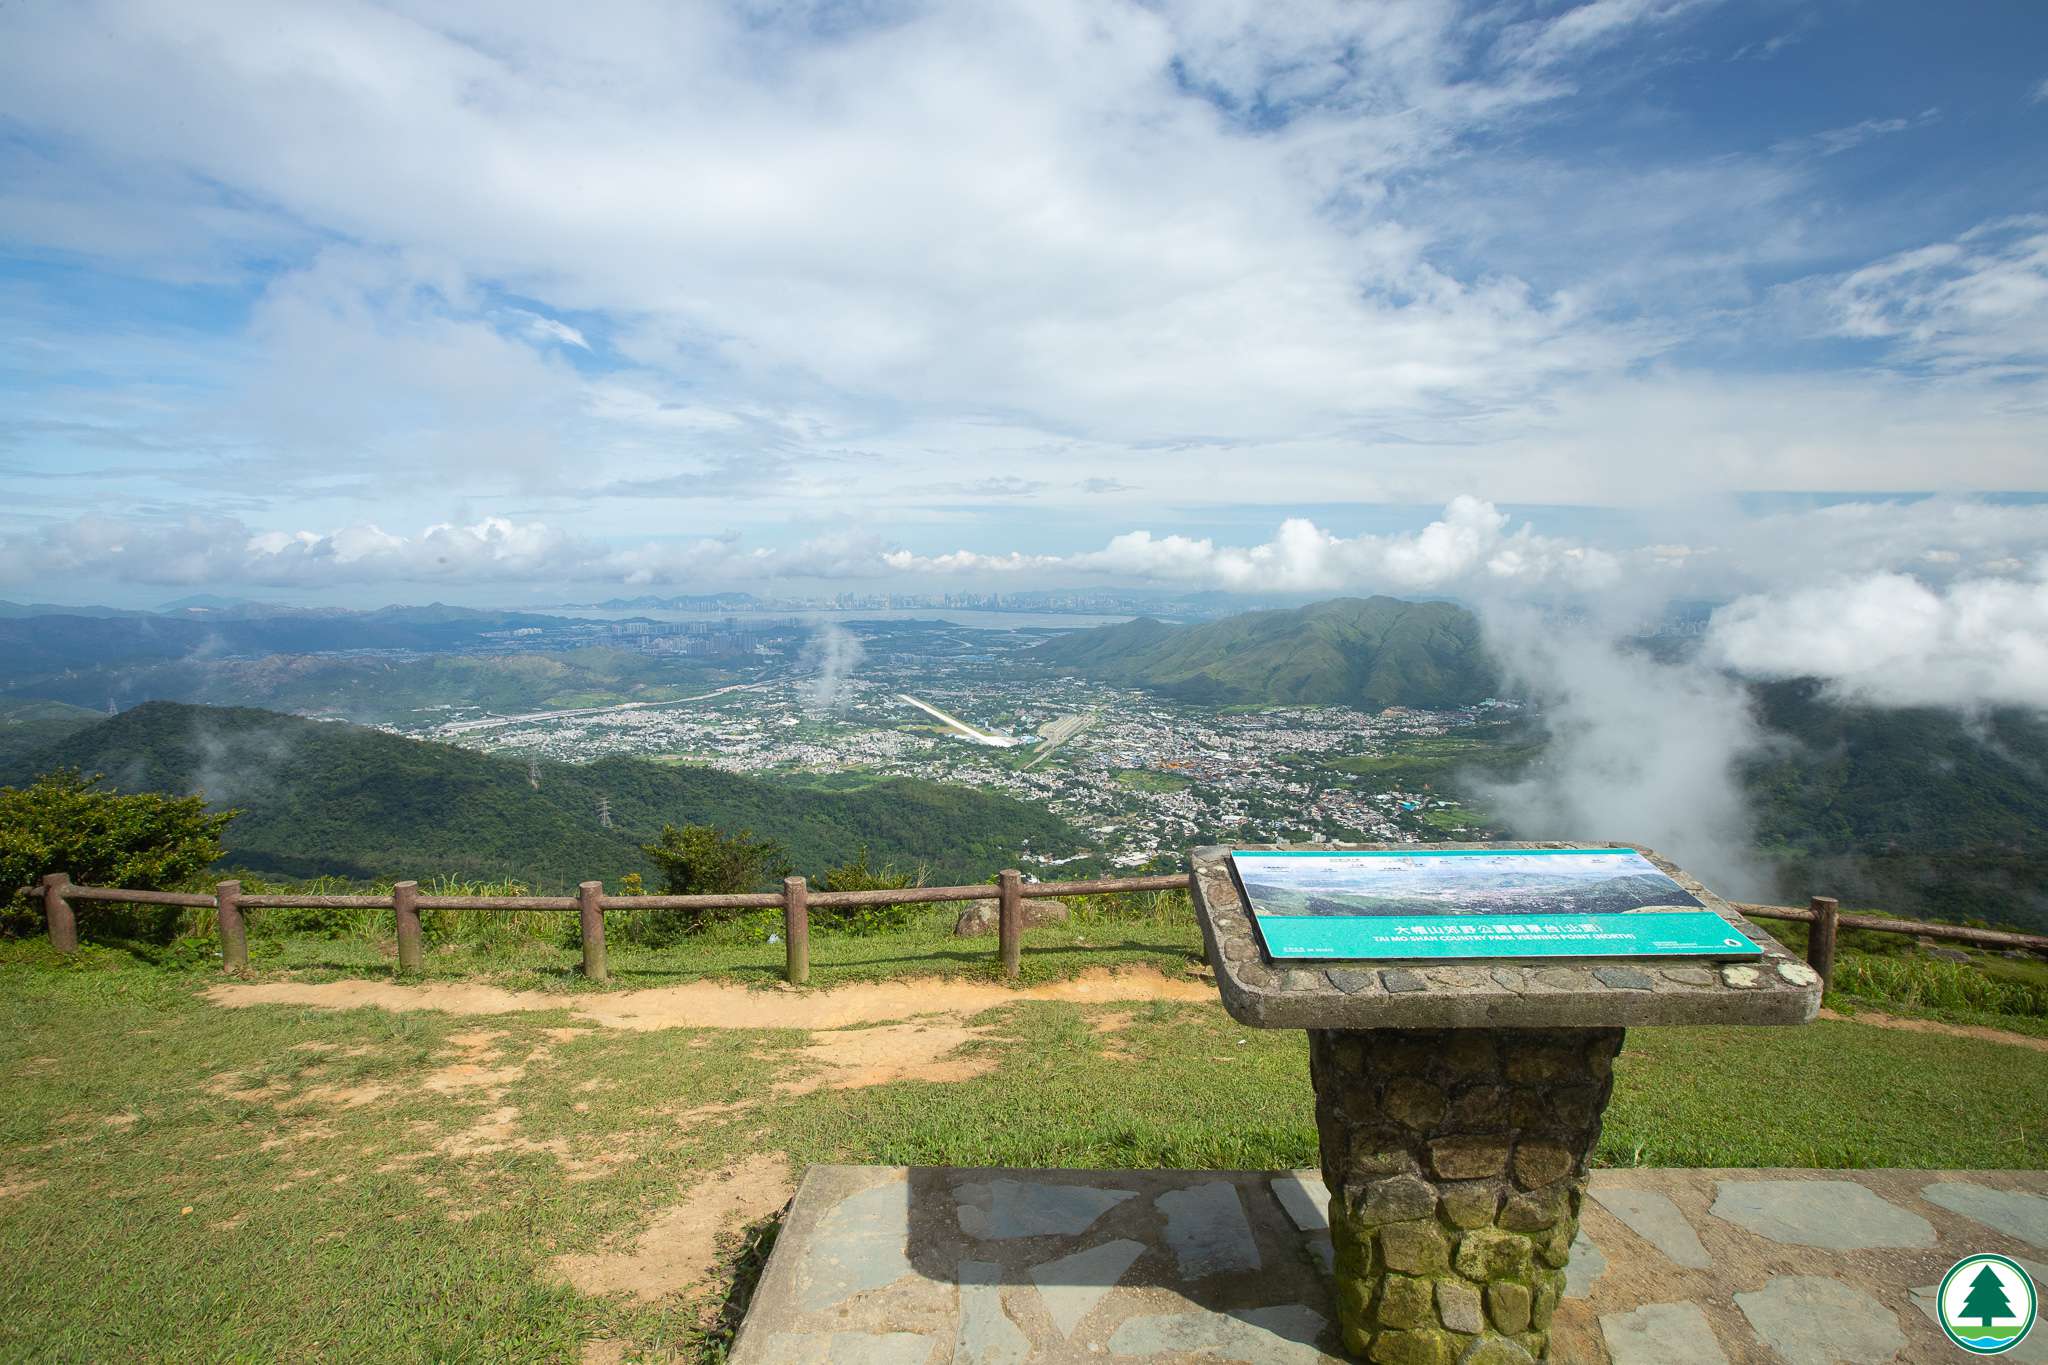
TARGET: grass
(1153,780)
(318,1228)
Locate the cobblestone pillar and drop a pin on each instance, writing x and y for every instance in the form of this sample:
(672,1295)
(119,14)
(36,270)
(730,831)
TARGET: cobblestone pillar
(1456,1161)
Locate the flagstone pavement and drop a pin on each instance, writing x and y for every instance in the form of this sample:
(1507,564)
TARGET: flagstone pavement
(882,1265)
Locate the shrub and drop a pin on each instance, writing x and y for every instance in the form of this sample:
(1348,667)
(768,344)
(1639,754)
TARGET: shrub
(145,841)
(856,875)
(702,860)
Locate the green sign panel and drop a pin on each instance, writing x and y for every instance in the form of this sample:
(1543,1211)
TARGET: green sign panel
(1477,903)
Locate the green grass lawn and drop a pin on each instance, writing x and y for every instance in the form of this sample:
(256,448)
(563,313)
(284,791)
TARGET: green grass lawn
(342,1203)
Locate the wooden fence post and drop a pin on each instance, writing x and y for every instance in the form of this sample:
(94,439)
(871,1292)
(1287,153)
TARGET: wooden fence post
(57,913)
(405,898)
(796,930)
(591,915)
(1820,938)
(1010,921)
(234,935)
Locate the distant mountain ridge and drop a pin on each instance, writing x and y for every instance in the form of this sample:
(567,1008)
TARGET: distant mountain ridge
(1370,652)
(329,798)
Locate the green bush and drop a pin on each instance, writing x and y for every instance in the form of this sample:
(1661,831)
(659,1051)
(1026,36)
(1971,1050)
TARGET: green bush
(67,822)
(701,860)
(1933,984)
(856,875)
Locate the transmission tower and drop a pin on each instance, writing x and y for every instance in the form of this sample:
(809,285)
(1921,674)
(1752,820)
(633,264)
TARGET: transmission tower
(533,773)
(111,710)
(604,811)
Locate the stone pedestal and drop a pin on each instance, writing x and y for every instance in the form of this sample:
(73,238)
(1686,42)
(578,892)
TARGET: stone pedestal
(1456,1160)
(1458,1105)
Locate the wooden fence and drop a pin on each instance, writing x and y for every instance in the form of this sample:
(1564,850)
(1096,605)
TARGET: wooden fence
(1822,916)
(796,900)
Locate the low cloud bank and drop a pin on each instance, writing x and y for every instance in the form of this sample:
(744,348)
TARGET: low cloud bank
(1892,640)
(1641,751)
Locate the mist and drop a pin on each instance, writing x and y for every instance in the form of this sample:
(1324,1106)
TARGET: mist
(1640,750)
(835,652)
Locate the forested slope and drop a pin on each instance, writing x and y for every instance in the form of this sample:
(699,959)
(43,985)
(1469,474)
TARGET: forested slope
(326,798)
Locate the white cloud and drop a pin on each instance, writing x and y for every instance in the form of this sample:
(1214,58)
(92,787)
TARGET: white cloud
(1835,141)
(1894,640)
(1470,544)
(1978,301)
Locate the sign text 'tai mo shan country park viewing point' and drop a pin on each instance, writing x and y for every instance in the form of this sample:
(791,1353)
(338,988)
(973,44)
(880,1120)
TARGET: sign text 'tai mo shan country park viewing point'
(1464,1006)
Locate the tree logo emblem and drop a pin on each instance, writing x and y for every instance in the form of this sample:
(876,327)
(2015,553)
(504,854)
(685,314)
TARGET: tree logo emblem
(1986,1304)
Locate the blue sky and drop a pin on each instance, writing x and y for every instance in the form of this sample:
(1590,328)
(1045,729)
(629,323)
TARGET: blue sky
(510,303)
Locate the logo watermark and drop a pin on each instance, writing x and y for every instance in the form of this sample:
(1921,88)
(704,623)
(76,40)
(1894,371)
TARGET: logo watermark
(1986,1304)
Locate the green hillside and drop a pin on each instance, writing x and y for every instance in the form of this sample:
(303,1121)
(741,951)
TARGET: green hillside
(1920,811)
(1367,652)
(26,726)
(375,689)
(328,798)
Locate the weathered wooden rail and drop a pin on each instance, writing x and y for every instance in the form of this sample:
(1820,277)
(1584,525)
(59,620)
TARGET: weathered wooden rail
(796,899)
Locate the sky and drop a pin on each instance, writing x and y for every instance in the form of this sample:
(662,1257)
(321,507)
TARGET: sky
(1744,301)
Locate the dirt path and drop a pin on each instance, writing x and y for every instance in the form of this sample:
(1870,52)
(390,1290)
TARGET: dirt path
(1979,1031)
(719,1004)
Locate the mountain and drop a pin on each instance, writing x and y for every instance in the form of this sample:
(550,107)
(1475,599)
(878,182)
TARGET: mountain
(17,610)
(1369,652)
(320,798)
(27,726)
(1921,812)
(39,647)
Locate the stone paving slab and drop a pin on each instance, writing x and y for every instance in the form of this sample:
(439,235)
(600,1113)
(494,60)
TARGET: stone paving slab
(930,1265)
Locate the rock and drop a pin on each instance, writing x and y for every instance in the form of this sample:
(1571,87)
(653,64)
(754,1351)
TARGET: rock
(2013,1212)
(1468,1157)
(1071,1286)
(1398,1199)
(981,917)
(1423,1347)
(1662,1334)
(1495,1351)
(1415,1102)
(1812,1320)
(1625,978)
(1652,1216)
(1488,1254)
(1949,954)
(1404,1302)
(1413,1248)
(1539,1163)
(1835,1215)
(1458,1307)
(1471,1204)
(1510,1306)
(1207,1229)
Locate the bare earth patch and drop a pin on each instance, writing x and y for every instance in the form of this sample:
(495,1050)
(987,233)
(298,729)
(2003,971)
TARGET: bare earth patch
(679,1251)
(1980,1031)
(718,1004)
(851,1059)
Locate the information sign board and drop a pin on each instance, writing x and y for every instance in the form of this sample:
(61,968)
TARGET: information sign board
(1477,903)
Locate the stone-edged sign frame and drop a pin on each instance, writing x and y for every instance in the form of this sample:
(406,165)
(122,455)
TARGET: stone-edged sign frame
(1458,1103)
(1607,992)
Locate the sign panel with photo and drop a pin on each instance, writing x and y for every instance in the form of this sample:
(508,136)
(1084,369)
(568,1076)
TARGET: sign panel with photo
(1477,903)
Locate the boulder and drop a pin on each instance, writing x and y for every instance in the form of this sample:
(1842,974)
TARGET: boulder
(980,916)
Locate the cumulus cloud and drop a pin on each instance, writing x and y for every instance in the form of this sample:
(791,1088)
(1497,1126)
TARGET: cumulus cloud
(1893,640)
(1472,542)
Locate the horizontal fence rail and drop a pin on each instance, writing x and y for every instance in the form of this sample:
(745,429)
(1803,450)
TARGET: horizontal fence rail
(1822,916)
